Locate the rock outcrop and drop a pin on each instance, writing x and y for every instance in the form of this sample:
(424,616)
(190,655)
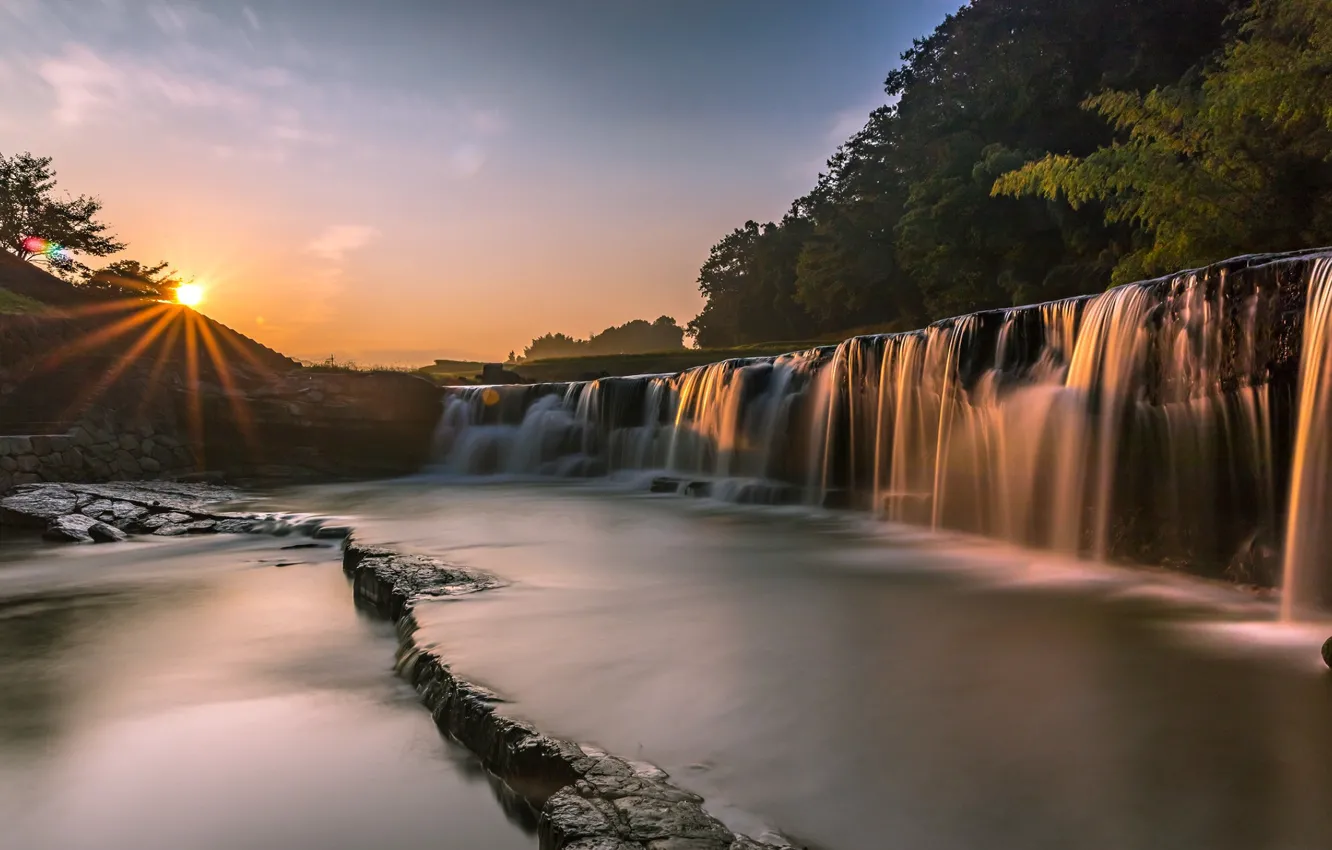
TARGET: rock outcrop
(107,513)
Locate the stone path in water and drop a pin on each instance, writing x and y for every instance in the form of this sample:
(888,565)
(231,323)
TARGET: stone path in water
(587,799)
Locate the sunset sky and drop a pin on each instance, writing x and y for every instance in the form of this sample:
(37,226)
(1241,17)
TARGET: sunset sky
(399,181)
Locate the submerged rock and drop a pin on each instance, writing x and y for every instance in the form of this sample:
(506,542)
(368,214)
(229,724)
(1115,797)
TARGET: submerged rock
(664,485)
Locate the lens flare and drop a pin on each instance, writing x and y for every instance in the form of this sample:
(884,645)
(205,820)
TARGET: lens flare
(38,245)
(189,294)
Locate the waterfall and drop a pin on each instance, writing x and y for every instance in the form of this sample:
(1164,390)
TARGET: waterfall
(1167,422)
(1307,577)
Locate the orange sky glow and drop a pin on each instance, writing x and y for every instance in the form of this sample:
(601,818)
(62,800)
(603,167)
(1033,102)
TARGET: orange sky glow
(394,183)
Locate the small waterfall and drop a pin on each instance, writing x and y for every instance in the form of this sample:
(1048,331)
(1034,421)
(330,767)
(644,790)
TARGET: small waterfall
(1307,576)
(1153,423)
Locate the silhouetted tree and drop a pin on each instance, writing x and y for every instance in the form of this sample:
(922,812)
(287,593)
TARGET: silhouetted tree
(636,337)
(38,226)
(132,279)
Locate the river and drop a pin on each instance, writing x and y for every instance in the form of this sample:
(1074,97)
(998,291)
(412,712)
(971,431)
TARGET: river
(158,695)
(850,683)
(859,685)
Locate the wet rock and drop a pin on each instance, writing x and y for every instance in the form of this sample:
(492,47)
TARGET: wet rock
(170,530)
(698,489)
(664,485)
(568,817)
(156,521)
(601,843)
(650,819)
(332,532)
(77,528)
(35,507)
(614,787)
(1327,652)
(677,843)
(235,525)
(103,533)
(389,582)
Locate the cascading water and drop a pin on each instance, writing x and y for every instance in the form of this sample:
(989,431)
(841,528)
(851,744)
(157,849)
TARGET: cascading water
(1150,423)
(1307,578)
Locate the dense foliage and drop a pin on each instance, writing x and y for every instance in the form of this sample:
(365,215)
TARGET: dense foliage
(1036,149)
(636,337)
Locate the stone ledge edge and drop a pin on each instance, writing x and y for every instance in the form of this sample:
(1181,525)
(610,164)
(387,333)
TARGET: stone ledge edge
(587,799)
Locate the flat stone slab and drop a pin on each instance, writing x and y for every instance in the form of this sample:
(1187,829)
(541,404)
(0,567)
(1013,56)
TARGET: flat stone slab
(83,513)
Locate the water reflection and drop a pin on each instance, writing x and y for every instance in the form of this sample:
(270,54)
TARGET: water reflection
(193,695)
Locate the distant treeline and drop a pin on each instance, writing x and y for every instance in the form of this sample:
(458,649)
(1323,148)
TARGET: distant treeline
(1036,149)
(636,337)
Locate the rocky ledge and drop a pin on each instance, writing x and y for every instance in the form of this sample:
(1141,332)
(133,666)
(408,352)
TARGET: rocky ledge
(104,513)
(587,799)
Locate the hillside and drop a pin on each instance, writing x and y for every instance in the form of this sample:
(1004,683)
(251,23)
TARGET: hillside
(37,296)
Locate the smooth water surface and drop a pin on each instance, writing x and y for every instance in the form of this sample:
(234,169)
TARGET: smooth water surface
(191,694)
(861,688)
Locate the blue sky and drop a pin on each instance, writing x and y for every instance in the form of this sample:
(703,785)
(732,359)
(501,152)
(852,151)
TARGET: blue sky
(397,181)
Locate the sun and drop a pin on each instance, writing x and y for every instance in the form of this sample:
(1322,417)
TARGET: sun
(189,294)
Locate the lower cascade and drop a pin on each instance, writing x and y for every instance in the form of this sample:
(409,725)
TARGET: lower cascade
(1182,421)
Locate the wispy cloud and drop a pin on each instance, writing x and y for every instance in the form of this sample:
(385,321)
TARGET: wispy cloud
(87,86)
(338,240)
(251,18)
(466,160)
(83,82)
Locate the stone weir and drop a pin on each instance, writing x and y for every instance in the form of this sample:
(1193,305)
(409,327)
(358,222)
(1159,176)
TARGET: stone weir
(1175,421)
(586,799)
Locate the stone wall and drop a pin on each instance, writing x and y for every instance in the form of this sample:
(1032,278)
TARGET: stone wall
(93,451)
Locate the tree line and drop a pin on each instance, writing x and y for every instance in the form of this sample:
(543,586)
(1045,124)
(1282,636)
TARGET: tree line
(1037,149)
(636,337)
(40,226)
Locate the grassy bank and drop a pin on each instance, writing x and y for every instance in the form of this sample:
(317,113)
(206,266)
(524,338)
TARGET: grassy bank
(11,303)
